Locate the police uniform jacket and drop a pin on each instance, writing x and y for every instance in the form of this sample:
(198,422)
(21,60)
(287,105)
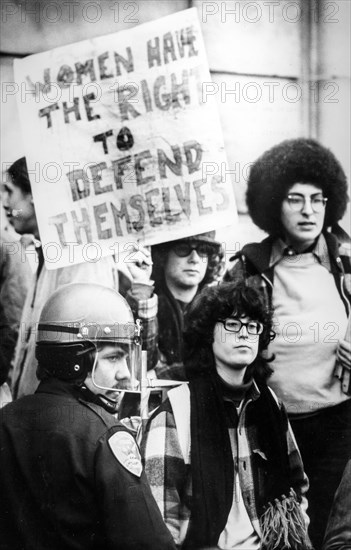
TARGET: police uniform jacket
(71,478)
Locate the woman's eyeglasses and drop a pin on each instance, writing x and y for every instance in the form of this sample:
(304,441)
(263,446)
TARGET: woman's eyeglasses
(297,202)
(235,325)
(184,249)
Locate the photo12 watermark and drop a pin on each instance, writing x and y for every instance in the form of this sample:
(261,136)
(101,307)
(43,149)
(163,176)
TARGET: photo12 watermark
(267,11)
(70,12)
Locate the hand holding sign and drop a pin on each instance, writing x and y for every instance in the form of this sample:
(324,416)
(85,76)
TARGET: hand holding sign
(122,144)
(139,263)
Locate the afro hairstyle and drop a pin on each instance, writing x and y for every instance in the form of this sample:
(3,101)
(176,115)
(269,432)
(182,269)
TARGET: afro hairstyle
(278,169)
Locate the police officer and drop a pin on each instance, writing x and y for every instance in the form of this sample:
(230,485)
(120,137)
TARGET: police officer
(70,476)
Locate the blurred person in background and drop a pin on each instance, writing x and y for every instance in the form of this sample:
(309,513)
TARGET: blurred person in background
(19,205)
(338,532)
(15,276)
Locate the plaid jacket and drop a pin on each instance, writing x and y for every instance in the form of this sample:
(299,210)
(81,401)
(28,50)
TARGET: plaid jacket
(166,453)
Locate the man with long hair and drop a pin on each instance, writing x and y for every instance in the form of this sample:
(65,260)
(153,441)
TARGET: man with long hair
(181,269)
(219,453)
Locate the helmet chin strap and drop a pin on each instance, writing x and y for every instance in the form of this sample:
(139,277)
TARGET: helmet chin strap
(108,404)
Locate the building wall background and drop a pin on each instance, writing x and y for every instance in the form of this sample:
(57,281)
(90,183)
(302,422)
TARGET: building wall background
(280,69)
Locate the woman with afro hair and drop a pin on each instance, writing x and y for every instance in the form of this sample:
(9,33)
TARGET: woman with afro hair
(297,192)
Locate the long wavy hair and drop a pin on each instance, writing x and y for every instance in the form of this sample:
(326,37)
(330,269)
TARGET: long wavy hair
(278,169)
(160,252)
(219,302)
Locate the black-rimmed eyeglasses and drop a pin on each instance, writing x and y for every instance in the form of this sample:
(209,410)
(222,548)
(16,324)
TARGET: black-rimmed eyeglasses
(235,325)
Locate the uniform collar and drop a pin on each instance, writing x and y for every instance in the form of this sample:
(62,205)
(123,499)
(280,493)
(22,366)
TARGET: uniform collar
(60,387)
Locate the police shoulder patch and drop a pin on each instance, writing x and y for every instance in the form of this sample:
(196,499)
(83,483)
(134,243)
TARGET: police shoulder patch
(125,449)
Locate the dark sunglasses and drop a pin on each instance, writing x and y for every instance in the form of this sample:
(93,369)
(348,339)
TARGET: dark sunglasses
(184,249)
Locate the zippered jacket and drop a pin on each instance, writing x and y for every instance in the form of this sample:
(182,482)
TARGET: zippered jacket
(253,264)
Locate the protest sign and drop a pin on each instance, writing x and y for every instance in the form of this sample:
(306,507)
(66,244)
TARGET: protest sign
(119,143)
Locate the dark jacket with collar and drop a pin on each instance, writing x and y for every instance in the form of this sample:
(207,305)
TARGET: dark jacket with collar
(171,325)
(64,485)
(253,265)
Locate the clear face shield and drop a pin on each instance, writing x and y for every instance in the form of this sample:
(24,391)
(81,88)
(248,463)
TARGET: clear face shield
(116,368)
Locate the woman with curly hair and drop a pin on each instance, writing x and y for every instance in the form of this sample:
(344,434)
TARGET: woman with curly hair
(297,192)
(181,269)
(219,453)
